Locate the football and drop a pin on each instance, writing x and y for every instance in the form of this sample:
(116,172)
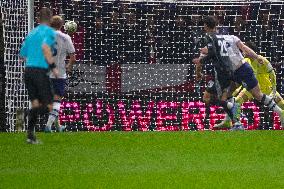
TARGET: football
(70,27)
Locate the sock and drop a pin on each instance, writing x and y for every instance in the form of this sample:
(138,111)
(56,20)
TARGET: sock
(33,113)
(239,100)
(237,123)
(227,106)
(207,114)
(227,118)
(230,105)
(50,121)
(268,101)
(32,117)
(227,110)
(231,99)
(53,114)
(224,104)
(281,104)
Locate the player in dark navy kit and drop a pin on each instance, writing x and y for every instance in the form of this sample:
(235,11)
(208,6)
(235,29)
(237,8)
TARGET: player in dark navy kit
(37,53)
(219,87)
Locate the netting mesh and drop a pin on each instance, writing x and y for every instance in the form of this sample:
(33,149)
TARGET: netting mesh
(134,66)
(125,32)
(14,14)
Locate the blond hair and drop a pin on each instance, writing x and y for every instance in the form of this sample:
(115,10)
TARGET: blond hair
(56,22)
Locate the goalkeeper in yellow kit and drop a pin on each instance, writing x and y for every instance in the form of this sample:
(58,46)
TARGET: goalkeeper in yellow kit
(267,81)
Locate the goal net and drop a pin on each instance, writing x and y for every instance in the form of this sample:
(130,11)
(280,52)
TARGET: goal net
(15,22)
(134,69)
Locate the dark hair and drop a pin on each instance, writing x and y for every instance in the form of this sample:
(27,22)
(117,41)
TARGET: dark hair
(251,45)
(210,22)
(56,22)
(45,14)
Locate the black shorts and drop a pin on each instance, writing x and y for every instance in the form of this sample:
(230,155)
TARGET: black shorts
(223,83)
(38,85)
(211,88)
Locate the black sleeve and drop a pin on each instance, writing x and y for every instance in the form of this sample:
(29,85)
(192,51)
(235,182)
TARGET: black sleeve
(211,49)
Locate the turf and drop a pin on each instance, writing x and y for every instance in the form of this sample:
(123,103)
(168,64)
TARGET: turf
(253,159)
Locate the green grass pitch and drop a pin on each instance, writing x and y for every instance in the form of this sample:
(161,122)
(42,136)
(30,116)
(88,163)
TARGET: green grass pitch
(252,159)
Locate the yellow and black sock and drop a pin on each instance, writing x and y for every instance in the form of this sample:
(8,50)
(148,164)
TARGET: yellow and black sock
(239,100)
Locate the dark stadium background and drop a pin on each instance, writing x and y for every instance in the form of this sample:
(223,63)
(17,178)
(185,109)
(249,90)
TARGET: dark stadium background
(115,37)
(112,34)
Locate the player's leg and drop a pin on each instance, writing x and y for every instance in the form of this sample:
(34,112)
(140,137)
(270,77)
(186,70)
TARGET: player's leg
(225,123)
(33,97)
(208,95)
(245,76)
(61,93)
(238,96)
(268,101)
(59,89)
(31,138)
(265,99)
(279,100)
(221,87)
(233,108)
(36,106)
(221,91)
(233,91)
(236,109)
(53,114)
(250,82)
(46,95)
(242,96)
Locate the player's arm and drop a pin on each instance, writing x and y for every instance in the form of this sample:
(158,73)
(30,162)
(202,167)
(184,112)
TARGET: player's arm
(198,66)
(209,51)
(198,71)
(272,76)
(204,56)
(72,61)
(47,54)
(249,52)
(48,42)
(72,55)
(46,46)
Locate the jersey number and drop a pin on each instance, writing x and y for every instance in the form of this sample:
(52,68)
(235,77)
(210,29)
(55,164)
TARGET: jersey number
(222,45)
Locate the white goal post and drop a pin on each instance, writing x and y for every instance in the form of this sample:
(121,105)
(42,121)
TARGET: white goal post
(15,22)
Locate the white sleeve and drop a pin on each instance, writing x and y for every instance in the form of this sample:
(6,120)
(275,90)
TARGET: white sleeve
(236,39)
(70,47)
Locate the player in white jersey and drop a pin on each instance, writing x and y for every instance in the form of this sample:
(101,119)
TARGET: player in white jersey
(64,47)
(225,49)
